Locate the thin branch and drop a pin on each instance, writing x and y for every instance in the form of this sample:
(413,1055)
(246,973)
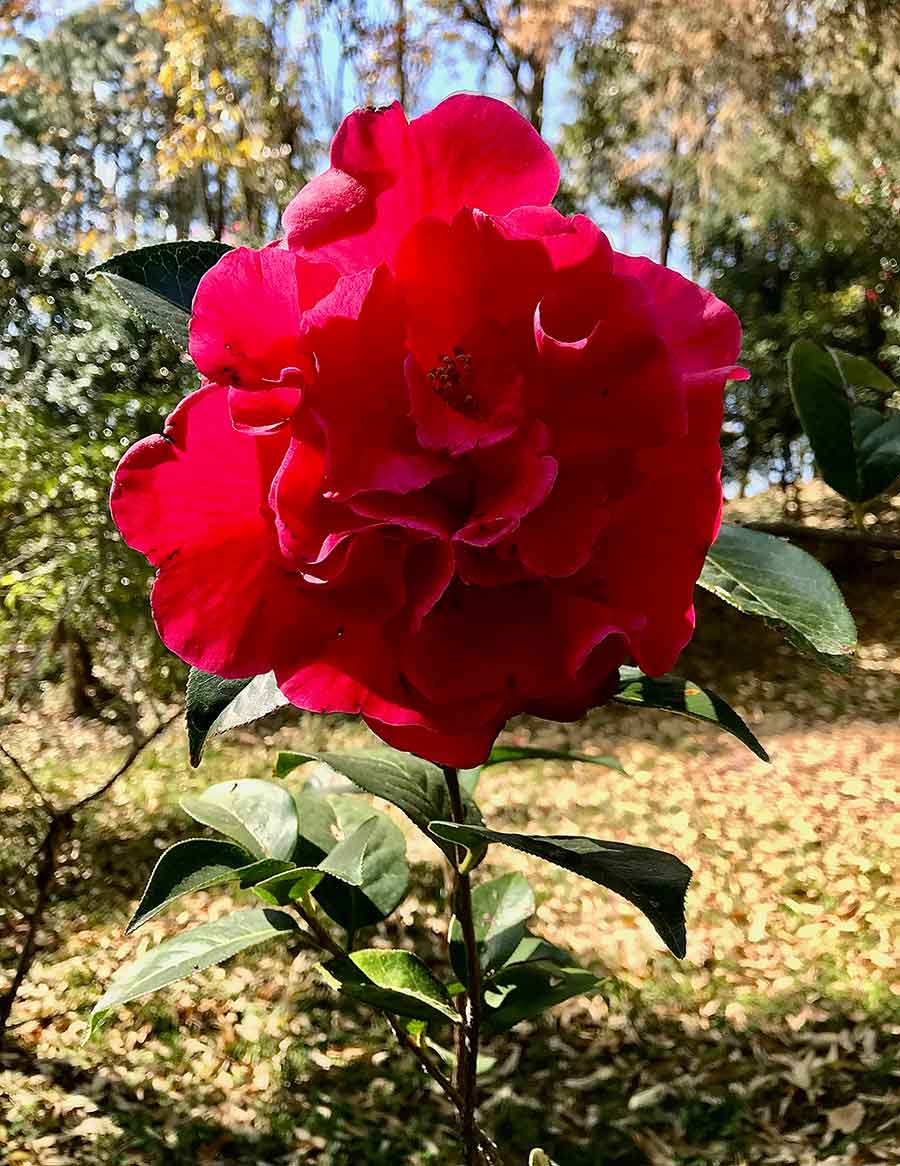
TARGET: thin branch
(30,782)
(470,1001)
(327,942)
(857,538)
(136,750)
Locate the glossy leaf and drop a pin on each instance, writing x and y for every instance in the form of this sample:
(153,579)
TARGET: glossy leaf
(191,951)
(674,695)
(214,705)
(503,754)
(195,865)
(500,910)
(158,283)
(857,448)
(288,885)
(393,981)
(412,785)
(656,882)
(763,575)
(258,815)
(532,949)
(525,990)
(361,853)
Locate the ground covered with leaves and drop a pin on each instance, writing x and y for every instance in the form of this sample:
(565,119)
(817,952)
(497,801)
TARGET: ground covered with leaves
(776,1040)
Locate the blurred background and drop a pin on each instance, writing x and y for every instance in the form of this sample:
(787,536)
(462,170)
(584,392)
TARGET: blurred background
(752,144)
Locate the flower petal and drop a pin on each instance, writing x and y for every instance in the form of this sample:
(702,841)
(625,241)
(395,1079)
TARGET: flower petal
(386,174)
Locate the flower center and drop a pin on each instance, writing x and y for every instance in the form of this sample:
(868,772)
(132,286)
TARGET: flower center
(454,382)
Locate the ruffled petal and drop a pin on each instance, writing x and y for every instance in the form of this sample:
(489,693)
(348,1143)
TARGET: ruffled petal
(359,397)
(247,314)
(221,599)
(386,174)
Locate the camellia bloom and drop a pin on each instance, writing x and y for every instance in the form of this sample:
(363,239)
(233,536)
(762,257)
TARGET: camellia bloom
(453,458)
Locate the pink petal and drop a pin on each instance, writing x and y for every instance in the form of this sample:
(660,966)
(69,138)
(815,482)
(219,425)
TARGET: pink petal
(246,318)
(221,599)
(387,174)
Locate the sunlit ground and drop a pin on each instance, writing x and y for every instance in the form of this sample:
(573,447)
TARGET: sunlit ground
(774,1041)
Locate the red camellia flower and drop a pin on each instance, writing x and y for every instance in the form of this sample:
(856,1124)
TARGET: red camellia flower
(453,457)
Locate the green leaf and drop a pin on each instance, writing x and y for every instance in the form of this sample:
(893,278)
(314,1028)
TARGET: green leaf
(215,705)
(685,698)
(195,865)
(502,754)
(158,282)
(763,575)
(525,990)
(857,448)
(258,815)
(412,785)
(289,885)
(861,373)
(537,1157)
(500,910)
(360,851)
(191,951)
(656,882)
(877,437)
(393,981)
(534,949)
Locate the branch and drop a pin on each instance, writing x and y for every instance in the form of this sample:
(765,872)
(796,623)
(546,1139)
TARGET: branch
(880,542)
(136,750)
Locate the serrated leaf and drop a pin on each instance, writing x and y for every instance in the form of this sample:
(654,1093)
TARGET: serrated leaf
(360,851)
(763,575)
(500,909)
(191,951)
(214,705)
(412,785)
(393,981)
(258,815)
(158,282)
(195,865)
(502,754)
(683,697)
(525,990)
(656,882)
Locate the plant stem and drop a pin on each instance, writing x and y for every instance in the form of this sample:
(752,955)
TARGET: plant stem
(326,942)
(469,1003)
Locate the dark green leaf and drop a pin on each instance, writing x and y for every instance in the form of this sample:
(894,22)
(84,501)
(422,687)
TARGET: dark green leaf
(656,882)
(501,754)
(675,695)
(861,373)
(525,990)
(823,406)
(191,951)
(763,575)
(157,282)
(258,815)
(414,786)
(393,981)
(533,948)
(877,437)
(500,910)
(857,448)
(214,705)
(195,865)
(361,852)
